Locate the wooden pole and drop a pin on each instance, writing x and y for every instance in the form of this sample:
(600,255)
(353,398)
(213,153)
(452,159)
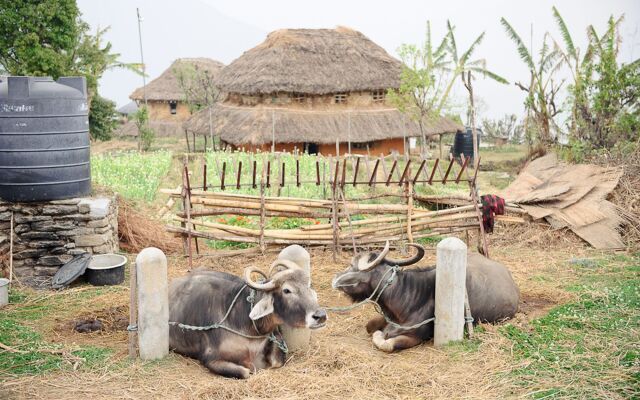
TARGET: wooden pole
(451,267)
(186,136)
(11,250)
(409,189)
(334,221)
(133,311)
(262,215)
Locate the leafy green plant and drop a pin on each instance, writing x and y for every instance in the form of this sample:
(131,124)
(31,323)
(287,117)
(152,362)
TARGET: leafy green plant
(102,118)
(421,94)
(131,174)
(541,90)
(145,133)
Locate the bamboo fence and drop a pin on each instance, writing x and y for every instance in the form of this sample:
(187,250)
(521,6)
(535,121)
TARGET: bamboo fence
(375,223)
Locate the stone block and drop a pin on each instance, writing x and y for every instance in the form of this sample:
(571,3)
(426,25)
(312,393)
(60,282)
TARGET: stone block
(22,228)
(45,243)
(76,232)
(58,251)
(99,223)
(70,245)
(104,249)
(104,229)
(59,209)
(98,208)
(66,202)
(54,260)
(26,219)
(53,226)
(39,235)
(81,218)
(23,272)
(45,271)
(31,253)
(91,240)
(75,252)
(5,216)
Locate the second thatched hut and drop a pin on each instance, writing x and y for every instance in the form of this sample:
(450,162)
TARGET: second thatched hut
(315,90)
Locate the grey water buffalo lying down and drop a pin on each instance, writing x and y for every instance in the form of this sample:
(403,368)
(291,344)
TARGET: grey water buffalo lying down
(250,339)
(409,298)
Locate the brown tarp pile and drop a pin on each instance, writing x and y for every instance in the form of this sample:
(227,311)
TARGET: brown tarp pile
(571,196)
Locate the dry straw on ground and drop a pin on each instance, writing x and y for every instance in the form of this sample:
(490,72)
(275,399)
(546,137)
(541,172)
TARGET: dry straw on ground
(341,362)
(137,231)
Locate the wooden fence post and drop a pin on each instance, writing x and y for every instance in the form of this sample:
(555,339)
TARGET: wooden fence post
(451,274)
(153,304)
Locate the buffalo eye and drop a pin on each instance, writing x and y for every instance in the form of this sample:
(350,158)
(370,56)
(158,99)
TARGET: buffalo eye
(286,291)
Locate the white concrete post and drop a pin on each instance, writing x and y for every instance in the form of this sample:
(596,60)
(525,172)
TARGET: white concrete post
(153,304)
(451,274)
(296,338)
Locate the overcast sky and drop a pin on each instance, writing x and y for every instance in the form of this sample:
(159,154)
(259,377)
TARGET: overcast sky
(223,30)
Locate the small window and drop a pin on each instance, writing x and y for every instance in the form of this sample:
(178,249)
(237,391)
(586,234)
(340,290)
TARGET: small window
(378,95)
(360,145)
(173,107)
(299,97)
(340,98)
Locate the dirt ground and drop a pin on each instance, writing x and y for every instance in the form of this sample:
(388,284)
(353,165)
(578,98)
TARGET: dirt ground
(341,361)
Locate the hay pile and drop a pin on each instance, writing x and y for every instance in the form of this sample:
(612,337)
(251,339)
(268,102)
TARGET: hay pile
(137,231)
(626,196)
(571,196)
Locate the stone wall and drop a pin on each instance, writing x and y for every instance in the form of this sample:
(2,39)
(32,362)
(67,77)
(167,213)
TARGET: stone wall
(47,235)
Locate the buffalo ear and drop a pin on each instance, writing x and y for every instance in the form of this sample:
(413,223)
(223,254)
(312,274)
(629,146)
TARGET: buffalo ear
(347,279)
(262,308)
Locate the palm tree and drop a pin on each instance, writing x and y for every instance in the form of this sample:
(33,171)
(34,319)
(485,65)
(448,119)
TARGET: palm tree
(464,68)
(542,89)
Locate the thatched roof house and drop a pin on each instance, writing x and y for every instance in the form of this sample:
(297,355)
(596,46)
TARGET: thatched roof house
(167,95)
(311,88)
(166,87)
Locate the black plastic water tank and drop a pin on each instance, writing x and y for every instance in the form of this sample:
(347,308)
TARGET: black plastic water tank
(463,143)
(44,139)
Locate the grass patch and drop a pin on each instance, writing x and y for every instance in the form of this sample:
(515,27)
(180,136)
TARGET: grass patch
(587,348)
(31,353)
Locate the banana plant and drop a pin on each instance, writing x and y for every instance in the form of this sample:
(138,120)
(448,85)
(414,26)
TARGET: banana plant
(542,88)
(465,68)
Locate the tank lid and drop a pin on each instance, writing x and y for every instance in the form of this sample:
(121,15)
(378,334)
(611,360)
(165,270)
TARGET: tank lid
(71,271)
(42,87)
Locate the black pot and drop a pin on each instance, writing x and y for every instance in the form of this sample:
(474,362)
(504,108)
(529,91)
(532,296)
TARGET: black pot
(106,269)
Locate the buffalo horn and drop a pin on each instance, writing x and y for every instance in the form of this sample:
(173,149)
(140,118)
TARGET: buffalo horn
(378,260)
(407,261)
(288,264)
(266,286)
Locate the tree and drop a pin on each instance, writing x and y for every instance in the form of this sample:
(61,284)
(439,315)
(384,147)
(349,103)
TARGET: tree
(92,57)
(146,134)
(612,91)
(421,82)
(541,89)
(38,36)
(103,118)
(464,68)
(505,128)
(48,38)
(198,86)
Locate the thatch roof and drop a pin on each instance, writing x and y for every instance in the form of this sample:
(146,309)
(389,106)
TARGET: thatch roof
(160,129)
(312,61)
(128,109)
(166,86)
(253,125)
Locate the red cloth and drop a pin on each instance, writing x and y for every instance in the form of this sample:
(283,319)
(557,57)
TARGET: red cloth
(492,205)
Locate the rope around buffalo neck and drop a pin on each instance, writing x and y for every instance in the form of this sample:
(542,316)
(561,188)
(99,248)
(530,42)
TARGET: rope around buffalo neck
(282,345)
(394,272)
